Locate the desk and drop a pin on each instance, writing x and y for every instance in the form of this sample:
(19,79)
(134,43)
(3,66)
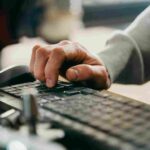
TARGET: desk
(94,40)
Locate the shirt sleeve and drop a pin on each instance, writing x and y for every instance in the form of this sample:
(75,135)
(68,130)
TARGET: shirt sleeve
(127,53)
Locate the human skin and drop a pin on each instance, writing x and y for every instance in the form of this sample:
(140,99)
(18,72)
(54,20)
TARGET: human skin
(72,61)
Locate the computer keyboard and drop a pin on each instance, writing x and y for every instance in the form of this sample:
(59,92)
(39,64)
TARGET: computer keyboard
(100,120)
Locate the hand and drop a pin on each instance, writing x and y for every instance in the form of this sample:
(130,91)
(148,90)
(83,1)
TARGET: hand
(72,61)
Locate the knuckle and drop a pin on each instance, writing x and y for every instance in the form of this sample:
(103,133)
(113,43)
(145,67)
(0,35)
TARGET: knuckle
(58,51)
(63,42)
(35,48)
(41,52)
(79,48)
(77,45)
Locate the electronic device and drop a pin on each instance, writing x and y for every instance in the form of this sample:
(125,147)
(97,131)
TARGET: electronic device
(14,75)
(91,119)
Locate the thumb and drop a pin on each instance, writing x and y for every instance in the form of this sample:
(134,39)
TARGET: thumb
(94,76)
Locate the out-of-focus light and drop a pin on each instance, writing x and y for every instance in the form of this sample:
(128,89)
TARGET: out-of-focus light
(16,145)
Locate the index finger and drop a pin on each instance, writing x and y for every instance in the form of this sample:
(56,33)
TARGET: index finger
(54,63)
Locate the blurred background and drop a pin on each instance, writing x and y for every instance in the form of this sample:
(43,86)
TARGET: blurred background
(24,23)
(55,20)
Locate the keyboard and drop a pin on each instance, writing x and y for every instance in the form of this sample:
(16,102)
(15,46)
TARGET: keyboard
(92,120)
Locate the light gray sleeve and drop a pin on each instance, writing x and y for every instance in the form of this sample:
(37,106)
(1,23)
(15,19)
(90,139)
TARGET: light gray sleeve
(127,53)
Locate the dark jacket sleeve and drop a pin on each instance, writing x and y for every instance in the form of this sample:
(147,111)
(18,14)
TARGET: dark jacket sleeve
(127,53)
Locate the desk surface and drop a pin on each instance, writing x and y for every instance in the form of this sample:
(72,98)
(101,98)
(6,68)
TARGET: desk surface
(94,40)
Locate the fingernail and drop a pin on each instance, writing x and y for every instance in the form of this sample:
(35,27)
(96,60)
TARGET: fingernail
(49,83)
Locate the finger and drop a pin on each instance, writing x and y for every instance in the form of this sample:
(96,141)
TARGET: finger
(41,58)
(94,76)
(33,58)
(54,63)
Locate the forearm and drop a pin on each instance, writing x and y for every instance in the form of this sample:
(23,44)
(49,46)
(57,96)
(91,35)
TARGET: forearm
(140,32)
(126,52)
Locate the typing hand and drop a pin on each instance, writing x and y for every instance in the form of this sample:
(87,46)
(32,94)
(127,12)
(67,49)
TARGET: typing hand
(72,61)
